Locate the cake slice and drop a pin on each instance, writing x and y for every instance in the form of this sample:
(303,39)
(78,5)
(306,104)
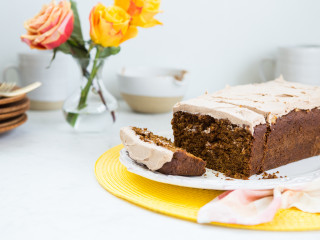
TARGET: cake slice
(159,153)
(248,129)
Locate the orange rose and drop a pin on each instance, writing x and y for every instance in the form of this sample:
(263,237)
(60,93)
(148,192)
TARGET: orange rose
(141,11)
(51,27)
(110,26)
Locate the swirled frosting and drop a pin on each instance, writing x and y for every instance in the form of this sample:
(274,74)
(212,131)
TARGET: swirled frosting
(253,104)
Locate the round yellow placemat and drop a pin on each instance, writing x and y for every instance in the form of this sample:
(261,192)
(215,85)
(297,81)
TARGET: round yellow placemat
(182,202)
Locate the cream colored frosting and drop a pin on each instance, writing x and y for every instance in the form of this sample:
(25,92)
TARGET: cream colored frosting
(207,105)
(149,154)
(254,104)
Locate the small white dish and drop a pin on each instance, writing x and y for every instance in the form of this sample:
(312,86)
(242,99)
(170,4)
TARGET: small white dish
(152,89)
(294,174)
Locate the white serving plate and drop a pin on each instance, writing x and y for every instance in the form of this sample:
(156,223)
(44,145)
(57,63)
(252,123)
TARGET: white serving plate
(296,173)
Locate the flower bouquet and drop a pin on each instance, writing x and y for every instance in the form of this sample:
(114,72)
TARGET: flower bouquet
(57,27)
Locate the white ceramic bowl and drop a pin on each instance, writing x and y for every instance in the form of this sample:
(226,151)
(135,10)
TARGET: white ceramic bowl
(152,89)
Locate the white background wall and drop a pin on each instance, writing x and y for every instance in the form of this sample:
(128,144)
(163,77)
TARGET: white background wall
(218,41)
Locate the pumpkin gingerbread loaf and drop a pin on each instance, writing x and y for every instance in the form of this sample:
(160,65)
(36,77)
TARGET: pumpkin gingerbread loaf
(159,154)
(248,129)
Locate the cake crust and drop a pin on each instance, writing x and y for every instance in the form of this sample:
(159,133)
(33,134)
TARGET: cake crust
(292,137)
(184,164)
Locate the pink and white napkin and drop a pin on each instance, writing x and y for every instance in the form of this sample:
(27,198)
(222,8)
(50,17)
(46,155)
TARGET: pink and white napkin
(251,207)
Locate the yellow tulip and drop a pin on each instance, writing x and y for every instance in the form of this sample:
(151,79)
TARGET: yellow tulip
(141,11)
(110,26)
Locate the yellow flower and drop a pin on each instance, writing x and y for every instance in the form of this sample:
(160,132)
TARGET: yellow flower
(141,11)
(110,26)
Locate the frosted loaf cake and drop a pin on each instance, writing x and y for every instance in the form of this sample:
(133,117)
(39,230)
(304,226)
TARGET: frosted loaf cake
(248,129)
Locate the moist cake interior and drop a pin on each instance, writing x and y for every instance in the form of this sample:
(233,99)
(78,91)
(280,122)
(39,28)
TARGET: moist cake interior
(224,146)
(148,136)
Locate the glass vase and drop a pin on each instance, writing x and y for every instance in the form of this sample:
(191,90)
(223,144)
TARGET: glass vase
(91,108)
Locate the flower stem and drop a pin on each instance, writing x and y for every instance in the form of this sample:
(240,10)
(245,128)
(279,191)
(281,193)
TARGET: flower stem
(72,117)
(105,103)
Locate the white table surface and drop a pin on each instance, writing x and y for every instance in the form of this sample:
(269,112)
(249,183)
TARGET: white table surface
(48,189)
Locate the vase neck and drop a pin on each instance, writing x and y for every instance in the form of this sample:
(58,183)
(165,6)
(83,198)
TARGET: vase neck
(90,68)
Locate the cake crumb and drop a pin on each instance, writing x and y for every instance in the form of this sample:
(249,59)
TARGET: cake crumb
(230,179)
(266,175)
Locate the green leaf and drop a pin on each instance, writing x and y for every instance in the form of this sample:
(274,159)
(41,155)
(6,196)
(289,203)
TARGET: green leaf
(75,45)
(77,32)
(77,51)
(108,51)
(75,42)
(55,50)
(64,47)
(114,50)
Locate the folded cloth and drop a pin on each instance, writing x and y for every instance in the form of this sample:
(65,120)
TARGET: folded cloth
(251,207)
